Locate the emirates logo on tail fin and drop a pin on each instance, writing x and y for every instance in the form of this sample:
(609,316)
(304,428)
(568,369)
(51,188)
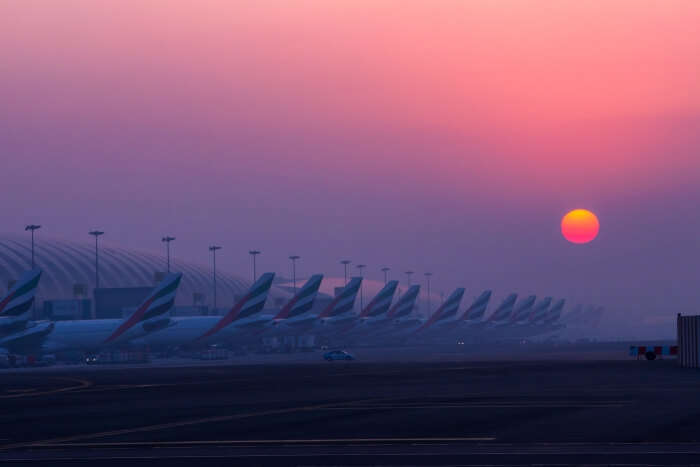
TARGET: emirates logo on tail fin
(253,302)
(157,303)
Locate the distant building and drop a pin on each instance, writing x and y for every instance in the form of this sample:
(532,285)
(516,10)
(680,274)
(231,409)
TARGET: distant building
(190,311)
(62,310)
(110,302)
(68,272)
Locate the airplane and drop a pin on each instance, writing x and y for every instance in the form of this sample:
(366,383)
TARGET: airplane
(512,327)
(550,321)
(446,314)
(404,306)
(372,314)
(472,318)
(412,327)
(327,321)
(503,312)
(271,324)
(477,310)
(525,325)
(398,318)
(95,334)
(492,327)
(337,313)
(540,310)
(538,319)
(198,331)
(303,301)
(16,305)
(521,313)
(520,322)
(380,304)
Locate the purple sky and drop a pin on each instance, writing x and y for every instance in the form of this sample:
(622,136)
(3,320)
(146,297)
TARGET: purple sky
(449,139)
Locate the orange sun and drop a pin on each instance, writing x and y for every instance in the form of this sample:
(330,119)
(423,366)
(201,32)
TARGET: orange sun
(580,226)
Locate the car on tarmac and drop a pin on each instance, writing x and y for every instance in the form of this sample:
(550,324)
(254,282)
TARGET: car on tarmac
(337,355)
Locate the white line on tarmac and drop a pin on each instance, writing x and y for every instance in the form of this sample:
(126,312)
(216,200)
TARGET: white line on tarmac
(478,406)
(269,441)
(191,422)
(81,384)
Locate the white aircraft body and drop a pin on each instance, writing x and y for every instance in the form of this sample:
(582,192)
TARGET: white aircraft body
(296,310)
(95,334)
(472,318)
(205,330)
(373,313)
(335,313)
(398,318)
(446,314)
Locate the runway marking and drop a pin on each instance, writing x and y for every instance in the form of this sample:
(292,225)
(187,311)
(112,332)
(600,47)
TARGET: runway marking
(81,384)
(491,450)
(119,387)
(276,456)
(164,426)
(428,441)
(480,406)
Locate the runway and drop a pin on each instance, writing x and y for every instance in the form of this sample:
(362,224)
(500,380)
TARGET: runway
(428,413)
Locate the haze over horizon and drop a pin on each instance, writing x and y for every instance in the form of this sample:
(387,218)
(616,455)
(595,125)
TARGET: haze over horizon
(441,136)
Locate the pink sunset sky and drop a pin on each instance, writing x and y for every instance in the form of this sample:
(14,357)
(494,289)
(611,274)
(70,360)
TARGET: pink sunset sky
(448,136)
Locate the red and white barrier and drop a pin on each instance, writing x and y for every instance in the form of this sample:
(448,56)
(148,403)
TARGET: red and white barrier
(637,350)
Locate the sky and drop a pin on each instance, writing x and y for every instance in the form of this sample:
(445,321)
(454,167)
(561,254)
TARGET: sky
(448,136)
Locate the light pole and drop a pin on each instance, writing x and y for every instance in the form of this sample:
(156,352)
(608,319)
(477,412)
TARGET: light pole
(254,253)
(361,267)
(408,277)
(96,234)
(32,228)
(213,249)
(345,263)
(294,259)
(386,277)
(427,277)
(167,240)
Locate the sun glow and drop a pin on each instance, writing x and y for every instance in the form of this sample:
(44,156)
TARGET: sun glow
(580,226)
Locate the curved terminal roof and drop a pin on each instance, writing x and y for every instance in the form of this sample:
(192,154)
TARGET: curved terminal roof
(65,264)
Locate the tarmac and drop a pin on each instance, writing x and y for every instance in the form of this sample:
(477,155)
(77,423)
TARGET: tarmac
(453,410)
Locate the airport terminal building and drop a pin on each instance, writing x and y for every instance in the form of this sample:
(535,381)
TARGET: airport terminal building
(67,287)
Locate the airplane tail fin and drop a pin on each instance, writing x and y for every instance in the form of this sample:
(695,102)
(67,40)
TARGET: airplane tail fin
(522,312)
(447,309)
(156,305)
(16,306)
(303,301)
(504,309)
(477,309)
(252,302)
(345,300)
(540,310)
(554,313)
(405,304)
(18,300)
(381,302)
